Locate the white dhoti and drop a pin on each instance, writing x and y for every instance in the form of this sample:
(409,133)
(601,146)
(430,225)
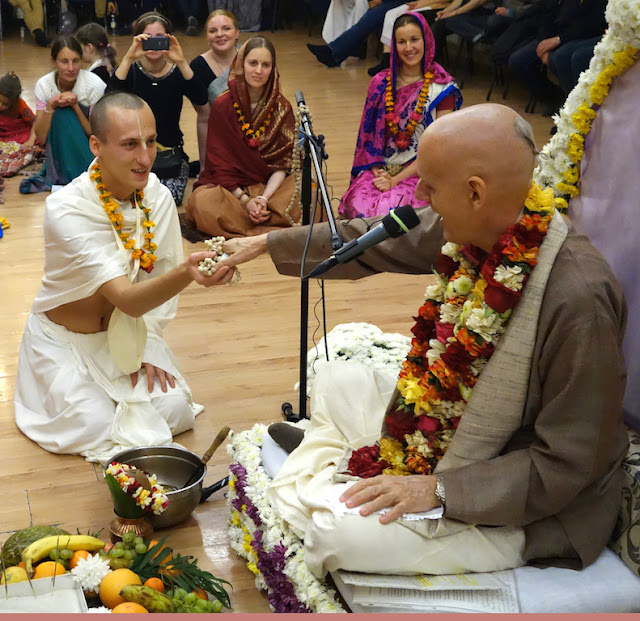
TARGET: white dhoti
(347,407)
(71,398)
(342,14)
(70,395)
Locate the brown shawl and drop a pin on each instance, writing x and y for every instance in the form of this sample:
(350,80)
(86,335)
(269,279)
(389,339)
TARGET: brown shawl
(230,161)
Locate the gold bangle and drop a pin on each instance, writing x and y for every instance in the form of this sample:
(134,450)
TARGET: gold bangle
(248,198)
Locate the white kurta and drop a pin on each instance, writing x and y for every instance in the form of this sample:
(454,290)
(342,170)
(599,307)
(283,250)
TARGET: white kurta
(348,403)
(70,395)
(342,14)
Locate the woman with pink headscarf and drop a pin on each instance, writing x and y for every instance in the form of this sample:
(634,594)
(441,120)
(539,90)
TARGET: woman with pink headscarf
(401,102)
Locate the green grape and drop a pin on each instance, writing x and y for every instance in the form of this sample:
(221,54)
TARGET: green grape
(138,540)
(54,555)
(215,605)
(65,554)
(119,563)
(128,538)
(116,552)
(128,554)
(119,545)
(141,548)
(179,593)
(202,605)
(189,598)
(169,593)
(64,563)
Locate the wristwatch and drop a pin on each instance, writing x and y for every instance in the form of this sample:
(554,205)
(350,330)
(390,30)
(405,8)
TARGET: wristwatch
(439,491)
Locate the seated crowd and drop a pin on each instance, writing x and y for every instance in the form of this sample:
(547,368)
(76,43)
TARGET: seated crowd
(532,37)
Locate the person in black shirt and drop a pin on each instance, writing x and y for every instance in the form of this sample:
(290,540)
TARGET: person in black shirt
(559,23)
(162,78)
(212,66)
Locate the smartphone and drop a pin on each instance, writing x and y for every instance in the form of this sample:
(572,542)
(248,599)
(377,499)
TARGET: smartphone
(155,43)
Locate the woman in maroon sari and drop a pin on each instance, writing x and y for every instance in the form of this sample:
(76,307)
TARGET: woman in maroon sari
(245,188)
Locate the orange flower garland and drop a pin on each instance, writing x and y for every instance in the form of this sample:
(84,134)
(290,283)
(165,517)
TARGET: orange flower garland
(111,208)
(253,135)
(403,138)
(456,332)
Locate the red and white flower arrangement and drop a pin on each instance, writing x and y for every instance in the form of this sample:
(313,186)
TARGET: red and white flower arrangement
(456,332)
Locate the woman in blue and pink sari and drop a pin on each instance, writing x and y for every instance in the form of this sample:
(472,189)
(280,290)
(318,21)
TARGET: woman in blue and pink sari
(401,102)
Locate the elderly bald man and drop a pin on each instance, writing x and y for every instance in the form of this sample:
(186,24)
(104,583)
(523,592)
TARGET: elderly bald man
(527,463)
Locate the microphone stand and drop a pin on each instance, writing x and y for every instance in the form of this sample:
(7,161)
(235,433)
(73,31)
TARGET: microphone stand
(314,151)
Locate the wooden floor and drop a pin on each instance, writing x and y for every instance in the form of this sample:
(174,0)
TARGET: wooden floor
(238,346)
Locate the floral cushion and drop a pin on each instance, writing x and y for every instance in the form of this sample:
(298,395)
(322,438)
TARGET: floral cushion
(626,536)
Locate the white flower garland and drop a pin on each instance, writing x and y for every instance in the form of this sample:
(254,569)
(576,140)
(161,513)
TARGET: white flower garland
(245,449)
(560,159)
(360,342)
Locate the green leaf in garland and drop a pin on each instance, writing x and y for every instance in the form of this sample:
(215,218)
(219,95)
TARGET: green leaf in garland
(123,504)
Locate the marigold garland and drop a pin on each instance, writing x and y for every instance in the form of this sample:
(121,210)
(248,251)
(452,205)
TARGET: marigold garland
(253,135)
(456,332)
(154,501)
(112,209)
(403,137)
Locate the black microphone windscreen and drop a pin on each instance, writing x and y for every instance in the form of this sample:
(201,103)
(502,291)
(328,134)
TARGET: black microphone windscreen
(406,214)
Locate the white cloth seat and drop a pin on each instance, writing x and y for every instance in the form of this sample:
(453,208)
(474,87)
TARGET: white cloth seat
(606,586)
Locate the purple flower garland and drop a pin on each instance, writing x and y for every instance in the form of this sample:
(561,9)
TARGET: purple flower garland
(271,564)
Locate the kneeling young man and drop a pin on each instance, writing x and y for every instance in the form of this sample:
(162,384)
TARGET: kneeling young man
(94,374)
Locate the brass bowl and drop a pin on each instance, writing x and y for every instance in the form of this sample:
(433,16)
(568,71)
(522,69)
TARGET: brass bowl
(174,467)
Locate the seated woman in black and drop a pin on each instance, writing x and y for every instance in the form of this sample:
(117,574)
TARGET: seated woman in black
(162,78)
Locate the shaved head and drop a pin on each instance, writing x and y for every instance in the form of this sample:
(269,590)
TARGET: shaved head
(485,155)
(99,118)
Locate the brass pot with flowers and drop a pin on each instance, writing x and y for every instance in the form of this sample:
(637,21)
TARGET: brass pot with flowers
(135,495)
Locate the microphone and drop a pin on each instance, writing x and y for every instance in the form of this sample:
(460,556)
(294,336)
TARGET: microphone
(397,223)
(303,116)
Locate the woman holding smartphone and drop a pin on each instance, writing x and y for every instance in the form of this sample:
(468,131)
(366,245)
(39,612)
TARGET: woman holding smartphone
(162,77)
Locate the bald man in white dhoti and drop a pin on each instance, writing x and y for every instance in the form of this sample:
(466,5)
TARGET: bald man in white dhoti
(94,375)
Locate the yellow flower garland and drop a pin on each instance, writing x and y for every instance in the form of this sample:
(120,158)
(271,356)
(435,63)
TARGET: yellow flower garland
(111,208)
(253,135)
(583,118)
(393,121)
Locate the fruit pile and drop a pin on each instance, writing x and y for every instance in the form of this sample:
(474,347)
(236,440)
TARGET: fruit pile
(124,552)
(133,575)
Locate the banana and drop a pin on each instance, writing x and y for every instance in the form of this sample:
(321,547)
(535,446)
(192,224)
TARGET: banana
(42,547)
(148,598)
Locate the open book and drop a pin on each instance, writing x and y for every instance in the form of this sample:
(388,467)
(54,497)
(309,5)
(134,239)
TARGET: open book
(483,592)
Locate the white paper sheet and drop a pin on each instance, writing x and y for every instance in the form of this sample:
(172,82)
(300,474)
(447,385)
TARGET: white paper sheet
(339,509)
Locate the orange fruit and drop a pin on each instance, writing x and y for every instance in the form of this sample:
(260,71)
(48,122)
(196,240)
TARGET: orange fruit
(154,542)
(113,583)
(201,593)
(47,569)
(129,607)
(155,583)
(77,555)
